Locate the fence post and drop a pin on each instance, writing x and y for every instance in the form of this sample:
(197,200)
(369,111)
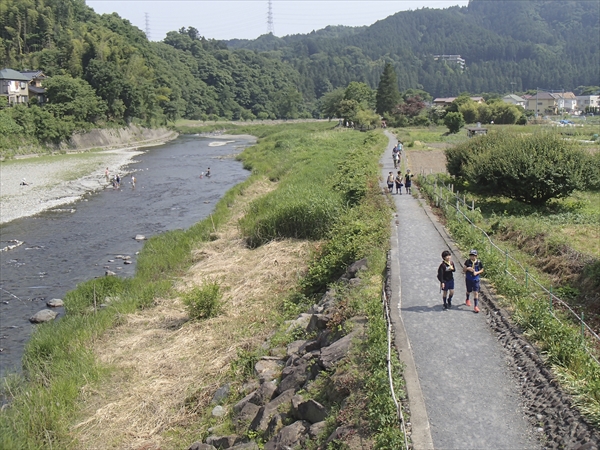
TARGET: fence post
(472,205)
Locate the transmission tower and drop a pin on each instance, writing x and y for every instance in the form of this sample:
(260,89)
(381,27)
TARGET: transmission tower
(147,26)
(270,28)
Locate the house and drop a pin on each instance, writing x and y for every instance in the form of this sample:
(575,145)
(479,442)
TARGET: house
(542,103)
(567,102)
(36,78)
(445,101)
(14,86)
(588,103)
(514,100)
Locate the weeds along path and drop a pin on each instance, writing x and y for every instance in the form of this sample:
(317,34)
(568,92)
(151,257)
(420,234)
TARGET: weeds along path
(483,384)
(165,367)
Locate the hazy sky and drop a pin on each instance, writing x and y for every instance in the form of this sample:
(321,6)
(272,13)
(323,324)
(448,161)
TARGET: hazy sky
(248,19)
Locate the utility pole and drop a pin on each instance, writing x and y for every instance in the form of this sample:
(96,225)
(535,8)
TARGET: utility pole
(270,27)
(147,26)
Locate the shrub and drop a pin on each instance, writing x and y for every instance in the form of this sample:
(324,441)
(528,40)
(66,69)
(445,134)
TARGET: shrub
(531,169)
(454,121)
(203,302)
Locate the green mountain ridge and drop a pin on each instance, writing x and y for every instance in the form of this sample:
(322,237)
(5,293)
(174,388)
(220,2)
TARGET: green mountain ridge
(508,46)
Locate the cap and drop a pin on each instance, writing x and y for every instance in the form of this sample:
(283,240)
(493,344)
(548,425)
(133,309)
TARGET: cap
(473,252)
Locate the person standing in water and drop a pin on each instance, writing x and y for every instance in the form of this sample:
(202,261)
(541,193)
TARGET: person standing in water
(207,173)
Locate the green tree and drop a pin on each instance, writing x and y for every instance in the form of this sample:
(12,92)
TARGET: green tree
(469,111)
(74,97)
(361,93)
(387,96)
(330,103)
(454,121)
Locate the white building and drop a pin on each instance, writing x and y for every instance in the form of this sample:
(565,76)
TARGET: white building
(585,101)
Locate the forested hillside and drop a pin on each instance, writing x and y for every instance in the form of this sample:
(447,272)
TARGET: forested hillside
(538,43)
(104,71)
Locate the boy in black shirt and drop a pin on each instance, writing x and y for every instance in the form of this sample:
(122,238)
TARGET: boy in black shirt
(446,277)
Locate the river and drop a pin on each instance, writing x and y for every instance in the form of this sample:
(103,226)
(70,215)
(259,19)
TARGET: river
(70,244)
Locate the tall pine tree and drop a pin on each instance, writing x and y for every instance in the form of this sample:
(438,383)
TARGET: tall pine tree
(388,96)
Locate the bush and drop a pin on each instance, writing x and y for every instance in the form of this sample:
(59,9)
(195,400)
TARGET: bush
(203,302)
(454,121)
(530,169)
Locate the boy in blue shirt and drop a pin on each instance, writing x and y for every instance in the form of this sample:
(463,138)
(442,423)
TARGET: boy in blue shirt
(473,268)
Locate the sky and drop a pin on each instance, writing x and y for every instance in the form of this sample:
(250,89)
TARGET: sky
(248,19)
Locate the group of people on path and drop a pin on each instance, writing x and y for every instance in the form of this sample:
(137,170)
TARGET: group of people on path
(398,181)
(472,268)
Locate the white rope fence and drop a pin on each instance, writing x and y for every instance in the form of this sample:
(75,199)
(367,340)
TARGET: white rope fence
(441,198)
(389,365)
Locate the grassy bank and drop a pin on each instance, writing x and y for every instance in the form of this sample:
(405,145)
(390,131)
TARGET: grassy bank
(123,341)
(547,241)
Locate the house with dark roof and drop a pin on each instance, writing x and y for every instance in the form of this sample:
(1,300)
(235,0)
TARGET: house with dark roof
(14,86)
(36,77)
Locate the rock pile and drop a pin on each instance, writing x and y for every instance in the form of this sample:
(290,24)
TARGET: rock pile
(275,410)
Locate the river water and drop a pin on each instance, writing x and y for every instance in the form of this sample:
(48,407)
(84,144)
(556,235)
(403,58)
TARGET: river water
(70,244)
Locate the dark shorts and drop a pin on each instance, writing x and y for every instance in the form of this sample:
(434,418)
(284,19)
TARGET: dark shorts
(472,285)
(449,284)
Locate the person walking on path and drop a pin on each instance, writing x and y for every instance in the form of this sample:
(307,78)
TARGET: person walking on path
(398,182)
(446,277)
(473,267)
(396,157)
(390,182)
(408,181)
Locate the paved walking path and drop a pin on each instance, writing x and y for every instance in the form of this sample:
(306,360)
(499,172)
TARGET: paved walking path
(469,399)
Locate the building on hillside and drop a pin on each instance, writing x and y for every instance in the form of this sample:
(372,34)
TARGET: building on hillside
(514,100)
(445,101)
(456,59)
(14,86)
(36,78)
(588,103)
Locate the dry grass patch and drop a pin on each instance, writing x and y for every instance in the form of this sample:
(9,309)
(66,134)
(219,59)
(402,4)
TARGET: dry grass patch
(167,368)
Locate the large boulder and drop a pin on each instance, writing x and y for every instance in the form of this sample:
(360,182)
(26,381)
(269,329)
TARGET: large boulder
(297,373)
(311,411)
(245,417)
(292,436)
(266,413)
(317,322)
(222,442)
(45,315)
(268,368)
(245,446)
(220,394)
(55,303)
(331,355)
